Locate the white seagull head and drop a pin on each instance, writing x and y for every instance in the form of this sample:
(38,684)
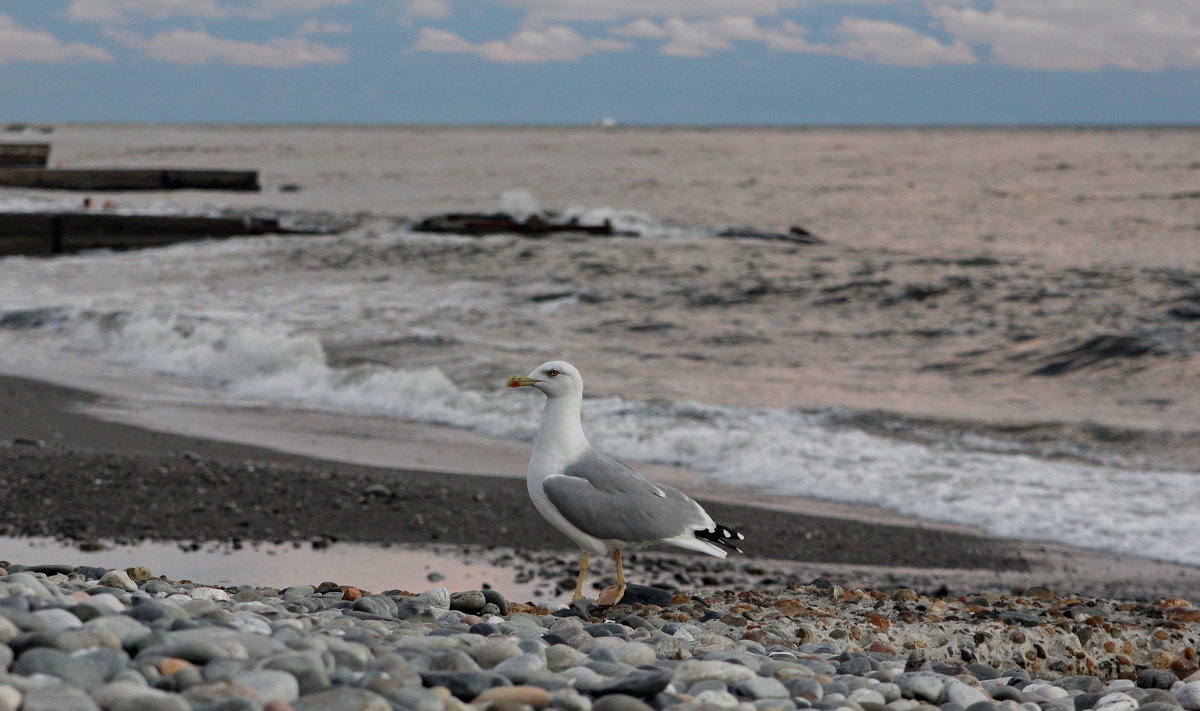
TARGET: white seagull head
(556,379)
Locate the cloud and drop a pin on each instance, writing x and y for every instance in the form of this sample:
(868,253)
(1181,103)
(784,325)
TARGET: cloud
(429,9)
(555,43)
(618,10)
(700,38)
(896,45)
(318,27)
(196,47)
(118,11)
(124,11)
(868,40)
(1075,36)
(21,44)
(270,9)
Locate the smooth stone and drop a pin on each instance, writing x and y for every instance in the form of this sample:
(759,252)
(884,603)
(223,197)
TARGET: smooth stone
(692,670)
(210,594)
(406,697)
(81,672)
(376,605)
(494,651)
(521,668)
(118,579)
(570,700)
(1009,693)
(1158,706)
(1079,682)
(438,597)
(454,660)
(982,706)
(533,696)
(855,665)
(464,685)
(561,656)
(1188,696)
(157,587)
(715,700)
(707,685)
(494,597)
(761,687)
(106,604)
(126,629)
(417,610)
(270,684)
(309,670)
(153,700)
(8,630)
(58,698)
(469,602)
(867,696)
(1157,695)
(139,573)
(10,698)
(52,569)
(1156,679)
(646,595)
(640,683)
(633,653)
(1117,701)
(343,698)
(620,702)
(920,687)
(57,619)
(805,688)
(112,693)
(963,695)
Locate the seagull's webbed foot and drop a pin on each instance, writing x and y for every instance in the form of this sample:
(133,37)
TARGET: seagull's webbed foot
(611,596)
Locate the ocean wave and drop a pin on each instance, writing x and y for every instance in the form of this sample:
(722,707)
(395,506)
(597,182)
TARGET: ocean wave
(1139,512)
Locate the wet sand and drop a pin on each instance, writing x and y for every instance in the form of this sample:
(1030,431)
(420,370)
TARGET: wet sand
(59,461)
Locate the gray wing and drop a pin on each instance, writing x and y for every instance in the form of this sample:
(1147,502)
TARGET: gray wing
(606,499)
(611,475)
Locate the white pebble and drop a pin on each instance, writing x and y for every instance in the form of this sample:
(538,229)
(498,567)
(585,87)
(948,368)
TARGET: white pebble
(1189,695)
(719,699)
(1043,691)
(57,619)
(10,698)
(118,579)
(208,594)
(107,603)
(1118,701)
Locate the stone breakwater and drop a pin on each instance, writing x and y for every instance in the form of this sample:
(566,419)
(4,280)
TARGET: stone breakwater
(89,638)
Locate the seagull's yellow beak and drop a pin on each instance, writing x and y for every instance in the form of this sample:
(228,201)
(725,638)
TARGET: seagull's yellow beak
(518,381)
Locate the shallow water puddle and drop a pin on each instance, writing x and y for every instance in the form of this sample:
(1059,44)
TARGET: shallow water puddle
(372,568)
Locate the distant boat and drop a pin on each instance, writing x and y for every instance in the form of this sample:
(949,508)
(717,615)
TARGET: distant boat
(607,122)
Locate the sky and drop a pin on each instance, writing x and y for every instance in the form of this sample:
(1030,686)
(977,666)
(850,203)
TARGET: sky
(777,62)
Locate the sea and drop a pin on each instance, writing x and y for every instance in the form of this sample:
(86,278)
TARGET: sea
(379,321)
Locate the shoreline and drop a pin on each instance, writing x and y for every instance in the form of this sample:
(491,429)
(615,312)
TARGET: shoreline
(181,487)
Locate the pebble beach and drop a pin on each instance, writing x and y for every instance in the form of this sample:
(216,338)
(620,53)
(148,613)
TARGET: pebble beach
(90,638)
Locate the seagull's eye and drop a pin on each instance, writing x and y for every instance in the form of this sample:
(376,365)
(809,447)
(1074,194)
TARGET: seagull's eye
(552,372)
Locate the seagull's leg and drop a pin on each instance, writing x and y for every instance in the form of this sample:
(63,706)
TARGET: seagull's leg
(613,595)
(583,568)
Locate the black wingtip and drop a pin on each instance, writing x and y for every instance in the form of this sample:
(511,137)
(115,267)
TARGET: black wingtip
(722,536)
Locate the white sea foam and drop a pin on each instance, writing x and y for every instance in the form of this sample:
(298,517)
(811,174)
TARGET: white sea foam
(1138,512)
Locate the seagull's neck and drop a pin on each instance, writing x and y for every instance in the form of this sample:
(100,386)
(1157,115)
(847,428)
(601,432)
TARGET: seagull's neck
(561,429)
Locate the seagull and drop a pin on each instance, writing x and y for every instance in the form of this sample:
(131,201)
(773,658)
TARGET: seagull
(598,502)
